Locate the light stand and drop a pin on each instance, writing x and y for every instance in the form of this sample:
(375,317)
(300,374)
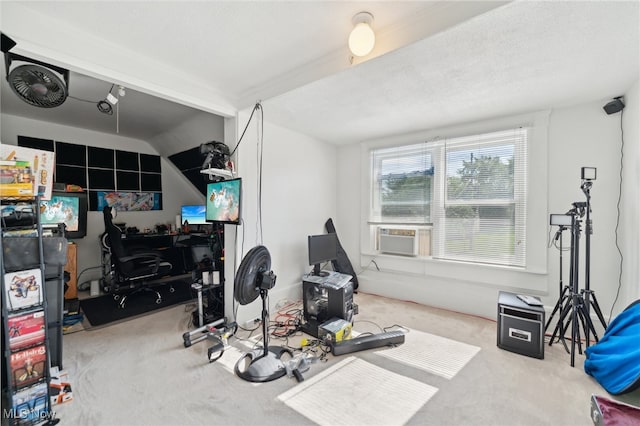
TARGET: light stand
(577,302)
(589,296)
(574,303)
(562,289)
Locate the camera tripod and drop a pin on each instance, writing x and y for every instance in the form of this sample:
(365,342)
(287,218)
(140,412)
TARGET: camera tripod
(573,303)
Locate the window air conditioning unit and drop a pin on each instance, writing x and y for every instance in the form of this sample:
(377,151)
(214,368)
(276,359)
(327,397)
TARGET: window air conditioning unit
(403,241)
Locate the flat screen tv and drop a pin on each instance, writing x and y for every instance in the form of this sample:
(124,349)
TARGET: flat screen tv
(322,248)
(69,208)
(195,215)
(223,201)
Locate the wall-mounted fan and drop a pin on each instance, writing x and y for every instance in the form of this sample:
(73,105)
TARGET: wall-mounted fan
(254,278)
(37,83)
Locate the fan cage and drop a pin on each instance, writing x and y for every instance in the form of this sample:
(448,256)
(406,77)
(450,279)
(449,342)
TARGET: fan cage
(38,86)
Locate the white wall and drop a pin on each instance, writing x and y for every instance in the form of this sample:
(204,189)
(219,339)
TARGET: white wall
(630,205)
(578,136)
(176,190)
(298,196)
(586,136)
(200,129)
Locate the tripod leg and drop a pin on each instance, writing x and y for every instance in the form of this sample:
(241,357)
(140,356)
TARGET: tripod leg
(556,308)
(596,307)
(575,332)
(582,314)
(561,327)
(589,324)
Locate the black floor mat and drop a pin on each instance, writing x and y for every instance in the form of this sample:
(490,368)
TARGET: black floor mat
(104,309)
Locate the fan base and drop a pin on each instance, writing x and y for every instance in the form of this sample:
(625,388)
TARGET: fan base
(261,367)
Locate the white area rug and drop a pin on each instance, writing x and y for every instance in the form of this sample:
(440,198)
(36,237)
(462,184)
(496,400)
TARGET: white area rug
(335,396)
(230,357)
(435,354)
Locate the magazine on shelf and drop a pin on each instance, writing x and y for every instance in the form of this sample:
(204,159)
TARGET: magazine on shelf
(23,289)
(26,329)
(29,405)
(28,366)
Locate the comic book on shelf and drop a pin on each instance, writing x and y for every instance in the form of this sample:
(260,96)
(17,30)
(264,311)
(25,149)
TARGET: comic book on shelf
(60,386)
(41,167)
(29,405)
(23,289)
(26,329)
(28,366)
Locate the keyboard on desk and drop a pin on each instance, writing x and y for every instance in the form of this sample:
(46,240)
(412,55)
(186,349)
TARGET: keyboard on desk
(369,341)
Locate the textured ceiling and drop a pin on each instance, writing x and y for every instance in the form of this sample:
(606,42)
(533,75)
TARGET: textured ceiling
(435,63)
(518,58)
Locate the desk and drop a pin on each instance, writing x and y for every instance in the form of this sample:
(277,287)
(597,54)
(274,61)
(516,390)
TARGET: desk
(72,268)
(183,251)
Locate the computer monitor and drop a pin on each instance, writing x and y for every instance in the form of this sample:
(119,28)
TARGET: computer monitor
(69,208)
(322,248)
(195,215)
(223,201)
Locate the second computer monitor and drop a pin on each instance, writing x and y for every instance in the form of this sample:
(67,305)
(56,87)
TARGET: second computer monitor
(322,248)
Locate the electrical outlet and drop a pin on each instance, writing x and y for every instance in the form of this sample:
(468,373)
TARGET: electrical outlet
(252,323)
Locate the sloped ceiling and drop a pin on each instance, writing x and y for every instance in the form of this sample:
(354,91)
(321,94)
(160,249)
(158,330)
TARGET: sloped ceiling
(435,63)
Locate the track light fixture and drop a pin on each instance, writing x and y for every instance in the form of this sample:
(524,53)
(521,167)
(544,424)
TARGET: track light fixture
(362,38)
(106,105)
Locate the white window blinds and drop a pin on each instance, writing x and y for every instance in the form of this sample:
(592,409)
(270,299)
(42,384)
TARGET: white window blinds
(482,216)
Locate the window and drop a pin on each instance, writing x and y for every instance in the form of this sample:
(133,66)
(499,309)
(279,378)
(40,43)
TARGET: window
(470,191)
(403,185)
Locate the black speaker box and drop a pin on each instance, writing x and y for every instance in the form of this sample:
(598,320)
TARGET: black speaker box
(614,106)
(520,326)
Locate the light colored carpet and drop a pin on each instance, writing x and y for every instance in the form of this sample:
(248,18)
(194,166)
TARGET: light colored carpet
(139,373)
(435,354)
(336,396)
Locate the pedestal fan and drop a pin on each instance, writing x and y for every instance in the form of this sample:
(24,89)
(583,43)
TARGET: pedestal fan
(254,278)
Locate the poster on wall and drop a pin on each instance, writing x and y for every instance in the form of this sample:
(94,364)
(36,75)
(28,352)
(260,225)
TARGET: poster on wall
(130,201)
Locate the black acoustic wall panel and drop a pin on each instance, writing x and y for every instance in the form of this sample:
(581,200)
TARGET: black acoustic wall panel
(102,179)
(71,175)
(101,157)
(36,143)
(151,182)
(71,154)
(128,181)
(126,160)
(150,163)
(98,169)
(189,162)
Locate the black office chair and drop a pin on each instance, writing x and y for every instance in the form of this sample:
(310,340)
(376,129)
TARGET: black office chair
(131,271)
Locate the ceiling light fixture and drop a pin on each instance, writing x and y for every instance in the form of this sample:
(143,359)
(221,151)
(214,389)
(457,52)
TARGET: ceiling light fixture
(362,38)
